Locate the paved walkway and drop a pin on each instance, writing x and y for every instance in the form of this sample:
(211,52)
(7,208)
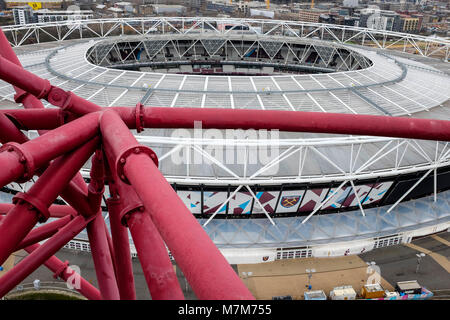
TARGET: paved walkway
(289,277)
(436,237)
(440,259)
(9,263)
(396,263)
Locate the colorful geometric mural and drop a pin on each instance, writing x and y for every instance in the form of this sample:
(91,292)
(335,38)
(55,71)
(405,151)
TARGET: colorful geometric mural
(241,203)
(192,200)
(268,199)
(290,201)
(212,201)
(312,199)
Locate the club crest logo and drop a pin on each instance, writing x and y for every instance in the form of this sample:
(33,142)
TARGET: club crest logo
(289,201)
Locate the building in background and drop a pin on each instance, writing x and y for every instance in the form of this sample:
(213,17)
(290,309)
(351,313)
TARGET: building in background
(46,15)
(163,9)
(44,4)
(23,15)
(375,18)
(311,15)
(409,24)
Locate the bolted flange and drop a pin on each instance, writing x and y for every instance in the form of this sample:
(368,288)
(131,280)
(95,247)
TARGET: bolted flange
(58,97)
(129,210)
(122,159)
(35,203)
(24,158)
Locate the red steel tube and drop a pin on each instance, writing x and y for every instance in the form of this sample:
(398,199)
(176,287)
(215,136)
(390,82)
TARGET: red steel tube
(22,96)
(298,121)
(111,250)
(25,267)
(295,121)
(156,265)
(191,247)
(9,132)
(122,253)
(96,186)
(43,232)
(36,119)
(56,210)
(60,173)
(61,270)
(42,89)
(33,155)
(33,205)
(102,259)
(77,198)
(15,226)
(38,116)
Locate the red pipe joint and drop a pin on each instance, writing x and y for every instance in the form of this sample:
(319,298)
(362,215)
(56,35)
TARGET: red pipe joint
(70,102)
(61,269)
(35,203)
(136,149)
(25,158)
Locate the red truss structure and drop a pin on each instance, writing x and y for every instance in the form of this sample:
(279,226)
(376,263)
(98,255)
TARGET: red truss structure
(141,201)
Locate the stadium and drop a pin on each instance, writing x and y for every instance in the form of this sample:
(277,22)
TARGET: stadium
(311,194)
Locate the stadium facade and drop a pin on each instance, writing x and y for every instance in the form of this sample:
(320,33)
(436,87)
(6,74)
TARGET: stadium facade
(302,195)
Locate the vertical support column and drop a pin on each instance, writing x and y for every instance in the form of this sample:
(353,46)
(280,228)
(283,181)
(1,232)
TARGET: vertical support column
(122,253)
(156,265)
(210,275)
(33,205)
(102,258)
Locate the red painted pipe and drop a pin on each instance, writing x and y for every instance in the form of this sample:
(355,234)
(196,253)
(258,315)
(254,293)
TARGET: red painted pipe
(28,157)
(56,210)
(111,251)
(22,96)
(39,116)
(25,267)
(77,199)
(15,226)
(156,265)
(61,270)
(33,205)
(294,121)
(37,119)
(42,89)
(9,132)
(102,259)
(122,253)
(96,186)
(43,232)
(298,121)
(194,251)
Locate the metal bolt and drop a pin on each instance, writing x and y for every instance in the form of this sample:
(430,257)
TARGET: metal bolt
(137,150)
(122,160)
(56,97)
